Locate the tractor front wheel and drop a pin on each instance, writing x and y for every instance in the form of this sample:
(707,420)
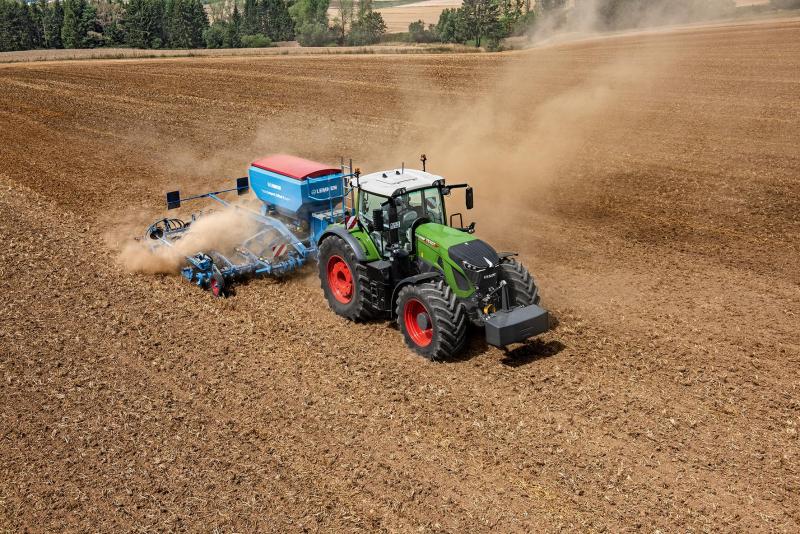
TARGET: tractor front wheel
(522,290)
(432,320)
(340,279)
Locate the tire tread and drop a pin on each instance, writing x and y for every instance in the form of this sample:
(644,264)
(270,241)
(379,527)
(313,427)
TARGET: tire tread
(523,286)
(361,311)
(448,314)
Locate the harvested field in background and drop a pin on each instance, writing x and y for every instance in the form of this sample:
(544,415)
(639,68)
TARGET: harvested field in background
(659,212)
(398,18)
(282,49)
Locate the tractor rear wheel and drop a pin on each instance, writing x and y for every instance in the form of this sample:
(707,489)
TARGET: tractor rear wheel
(432,320)
(522,290)
(341,281)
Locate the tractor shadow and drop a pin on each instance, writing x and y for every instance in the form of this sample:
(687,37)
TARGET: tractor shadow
(530,352)
(521,354)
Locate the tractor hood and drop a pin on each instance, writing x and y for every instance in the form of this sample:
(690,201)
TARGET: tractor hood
(474,255)
(474,264)
(463,249)
(441,236)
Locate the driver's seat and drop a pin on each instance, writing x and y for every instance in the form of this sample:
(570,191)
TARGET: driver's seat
(409,217)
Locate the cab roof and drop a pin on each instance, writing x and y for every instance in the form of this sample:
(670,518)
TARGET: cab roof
(388,183)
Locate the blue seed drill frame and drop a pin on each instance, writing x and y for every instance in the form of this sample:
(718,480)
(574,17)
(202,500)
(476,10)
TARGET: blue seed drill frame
(298,203)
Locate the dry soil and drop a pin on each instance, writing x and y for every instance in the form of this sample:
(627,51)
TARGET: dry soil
(650,182)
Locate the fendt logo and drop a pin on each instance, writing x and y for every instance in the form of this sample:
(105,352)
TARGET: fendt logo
(429,242)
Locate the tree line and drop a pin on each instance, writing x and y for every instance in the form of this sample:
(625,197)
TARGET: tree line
(483,21)
(259,24)
(488,21)
(252,23)
(183,24)
(85,24)
(307,21)
(357,23)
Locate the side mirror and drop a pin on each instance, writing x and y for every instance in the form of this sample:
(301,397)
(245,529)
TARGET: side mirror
(394,226)
(469,198)
(377,220)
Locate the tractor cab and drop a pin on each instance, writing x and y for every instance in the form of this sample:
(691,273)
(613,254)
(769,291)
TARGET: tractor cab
(393,203)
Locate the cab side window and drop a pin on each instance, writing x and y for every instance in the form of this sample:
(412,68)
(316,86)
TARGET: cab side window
(433,206)
(409,209)
(368,204)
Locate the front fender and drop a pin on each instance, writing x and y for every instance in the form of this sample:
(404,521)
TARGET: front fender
(416,279)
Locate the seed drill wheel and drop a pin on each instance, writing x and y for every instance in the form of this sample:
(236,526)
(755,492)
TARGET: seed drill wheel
(433,322)
(217,285)
(341,281)
(522,289)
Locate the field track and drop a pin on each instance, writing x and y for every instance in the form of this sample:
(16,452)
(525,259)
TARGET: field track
(651,183)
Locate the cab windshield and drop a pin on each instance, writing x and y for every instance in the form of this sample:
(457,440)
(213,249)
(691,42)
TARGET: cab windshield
(410,207)
(420,203)
(415,205)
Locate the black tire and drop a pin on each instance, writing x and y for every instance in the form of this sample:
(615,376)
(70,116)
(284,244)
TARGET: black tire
(522,289)
(447,316)
(357,307)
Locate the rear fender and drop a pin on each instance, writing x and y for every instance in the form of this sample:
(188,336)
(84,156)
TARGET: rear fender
(341,231)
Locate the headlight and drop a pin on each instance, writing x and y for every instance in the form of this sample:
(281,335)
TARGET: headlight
(475,268)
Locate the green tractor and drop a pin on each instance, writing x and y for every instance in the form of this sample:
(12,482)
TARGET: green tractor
(395,256)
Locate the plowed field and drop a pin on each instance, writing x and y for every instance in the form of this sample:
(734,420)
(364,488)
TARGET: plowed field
(651,183)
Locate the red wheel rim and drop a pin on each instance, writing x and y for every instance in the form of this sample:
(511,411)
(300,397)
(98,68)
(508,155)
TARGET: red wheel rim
(340,279)
(215,287)
(418,322)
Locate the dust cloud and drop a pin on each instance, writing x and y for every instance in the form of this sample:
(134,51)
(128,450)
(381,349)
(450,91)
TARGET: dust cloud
(220,230)
(530,130)
(536,124)
(228,160)
(591,17)
(525,129)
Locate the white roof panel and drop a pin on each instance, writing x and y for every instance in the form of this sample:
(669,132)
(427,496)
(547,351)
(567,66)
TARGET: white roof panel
(385,183)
